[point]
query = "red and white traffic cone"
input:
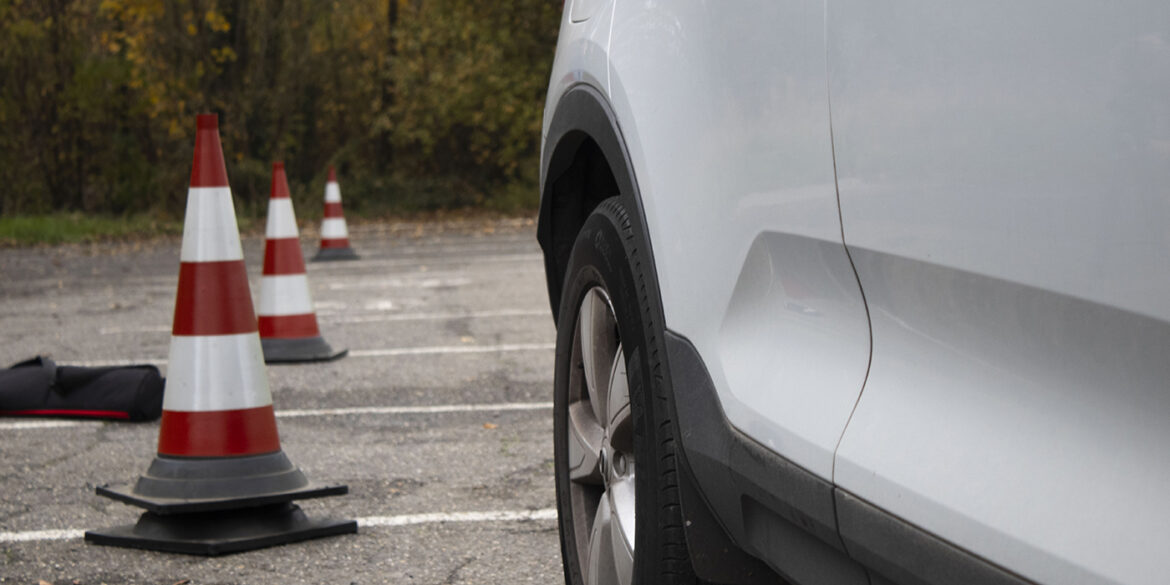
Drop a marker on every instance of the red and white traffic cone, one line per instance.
(334, 234)
(288, 323)
(220, 482)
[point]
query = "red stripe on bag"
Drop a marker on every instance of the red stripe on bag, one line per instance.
(289, 326)
(283, 256)
(213, 299)
(219, 433)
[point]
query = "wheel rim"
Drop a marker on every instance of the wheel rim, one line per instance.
(601, 446)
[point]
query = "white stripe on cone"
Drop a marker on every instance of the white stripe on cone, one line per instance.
(282, 223)
(333, 228)
(332, 192)
(210, 233)
(287, 294)
(216, 372)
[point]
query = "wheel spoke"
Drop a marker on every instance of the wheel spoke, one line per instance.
(618, 422)
(585, 439)
(598, 342)
(622, 523)
(599, 567)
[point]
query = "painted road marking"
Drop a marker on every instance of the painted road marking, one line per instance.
(441, 409)
(452, 349)
(436, 409)
(43, 424)
(544, 514)
(398, 351)
(403, 282)
(494, 516)
(368, 318)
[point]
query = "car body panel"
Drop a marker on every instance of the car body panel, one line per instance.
(1003, 172)
(736, 179)
(582, 56)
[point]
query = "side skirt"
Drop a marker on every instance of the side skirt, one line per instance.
(740, 497)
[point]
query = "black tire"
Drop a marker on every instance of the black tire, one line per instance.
(610, 260)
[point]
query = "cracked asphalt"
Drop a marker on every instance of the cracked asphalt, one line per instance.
(448, 324)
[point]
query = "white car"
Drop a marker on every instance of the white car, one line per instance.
(860, 292)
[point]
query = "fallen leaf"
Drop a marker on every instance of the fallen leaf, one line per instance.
(489, 426)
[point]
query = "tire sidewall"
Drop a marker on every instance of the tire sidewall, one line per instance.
(608, 254)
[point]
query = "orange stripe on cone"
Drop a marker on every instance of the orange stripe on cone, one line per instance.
(283, 256)
(219, 433)
(289, 326)
(208, 169)
(335, 243)
(213, 299)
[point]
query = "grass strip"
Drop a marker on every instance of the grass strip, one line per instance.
(61, 228)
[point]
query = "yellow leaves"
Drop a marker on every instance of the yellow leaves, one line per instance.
(216, 21)
(223, 55)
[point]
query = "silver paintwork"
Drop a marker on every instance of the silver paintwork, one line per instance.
(1001, 183)
(1004, 171)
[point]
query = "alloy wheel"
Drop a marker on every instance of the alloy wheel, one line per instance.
(601, 446)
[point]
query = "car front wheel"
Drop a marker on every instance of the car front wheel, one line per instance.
(616, 476)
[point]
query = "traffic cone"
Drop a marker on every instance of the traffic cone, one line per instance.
(288, 323)
(220, 482)
(334, 235)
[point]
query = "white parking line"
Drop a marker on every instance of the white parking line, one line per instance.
(398, 351)
(41, 535)
(494, 516)
(452, 349)
(408, 282)
(441, 409)
(367, 522)
(41, 424)
(438, 316)
(331, 320)
(436, 409)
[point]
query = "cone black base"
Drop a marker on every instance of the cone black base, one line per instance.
(327, 254)
(291, 351)
(218, 533)
(181, 485)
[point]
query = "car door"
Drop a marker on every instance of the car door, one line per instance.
(724, 108)
(1003, 171)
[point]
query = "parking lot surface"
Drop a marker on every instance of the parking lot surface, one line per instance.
(439, 420)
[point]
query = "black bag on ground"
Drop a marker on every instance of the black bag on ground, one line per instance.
(39, 387)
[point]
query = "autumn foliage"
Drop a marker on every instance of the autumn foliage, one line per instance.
(421, 104)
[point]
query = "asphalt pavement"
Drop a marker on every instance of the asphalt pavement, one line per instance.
(439, 420)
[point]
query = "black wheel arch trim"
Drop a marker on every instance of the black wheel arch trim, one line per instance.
(582, 115)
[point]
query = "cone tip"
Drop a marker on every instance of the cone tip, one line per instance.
(278, 166)
(207, 122)
(332, 174)
(207, 168)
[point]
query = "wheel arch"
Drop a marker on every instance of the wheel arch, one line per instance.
(584, 163)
